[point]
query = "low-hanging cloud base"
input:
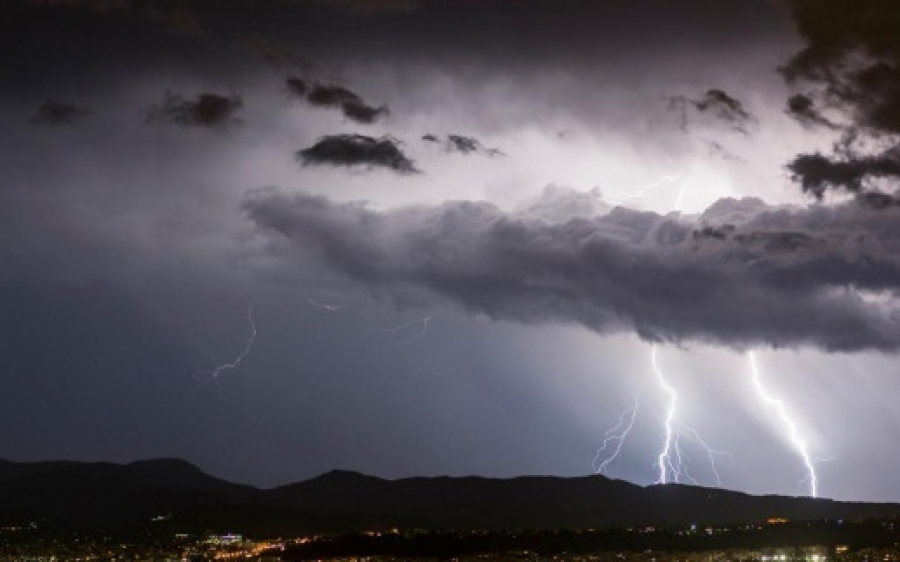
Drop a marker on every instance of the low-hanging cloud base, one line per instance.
(741, 274)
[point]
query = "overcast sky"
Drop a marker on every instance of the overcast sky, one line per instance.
(445, 237)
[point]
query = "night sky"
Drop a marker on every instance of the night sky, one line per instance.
(455, 237)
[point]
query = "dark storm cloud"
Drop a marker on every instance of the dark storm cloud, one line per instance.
(802, 108)
(297, 87)
(205, 110)
(716, 103)
(817, 173)
(784, 277)
(358, 150)
(362, 113)
(853, 51)
(58, 113)
(331, 96)
(462, 144)
(852, 58)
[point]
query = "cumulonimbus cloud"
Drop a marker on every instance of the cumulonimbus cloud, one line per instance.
(740, 274)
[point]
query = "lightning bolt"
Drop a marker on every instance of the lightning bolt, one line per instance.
(671, 462)
(212, 375)
(615, 437)
(642, 191)
(421, 324)
(790, 427)
(664, 460)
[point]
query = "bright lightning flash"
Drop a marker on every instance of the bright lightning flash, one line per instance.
(670, 462)
(790, 427)
(664, 460)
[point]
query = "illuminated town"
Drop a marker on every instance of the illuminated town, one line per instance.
(777, 540)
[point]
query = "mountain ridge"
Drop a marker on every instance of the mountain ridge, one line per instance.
(173, 495)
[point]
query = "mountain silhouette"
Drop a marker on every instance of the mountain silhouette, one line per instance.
(171, 495)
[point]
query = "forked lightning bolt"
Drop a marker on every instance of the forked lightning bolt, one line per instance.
(664, 460)
(670, 462)
(790, 427)
(212, 375)
(615, 436)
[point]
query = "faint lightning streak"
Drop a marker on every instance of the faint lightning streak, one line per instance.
(323, 306)
(213, 374)
(616, 434)
(641, 192)
(710, 452)
(421, 322)
(789, 424)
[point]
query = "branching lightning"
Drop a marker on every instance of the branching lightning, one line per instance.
(671, 461)
(664, 460)
(615, 436)
(790, 427)
(211, 376)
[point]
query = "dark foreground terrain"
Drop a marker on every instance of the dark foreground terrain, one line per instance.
(174, 496)
(170, 510)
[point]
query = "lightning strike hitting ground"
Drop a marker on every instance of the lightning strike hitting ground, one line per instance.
(790, 427)
(670, 461)
(711, 453)
(615, 437)
(664, 460)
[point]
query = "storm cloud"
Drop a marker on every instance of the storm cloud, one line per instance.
(462, 145)
(716, 103)
(358, 150)
(776, 276)
(349, 103)
(58, 113)
(853, 51)
(851, 64)
(205, 110)
(802, 108)
(817, 173)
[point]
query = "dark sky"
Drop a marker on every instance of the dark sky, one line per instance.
(224, 238)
